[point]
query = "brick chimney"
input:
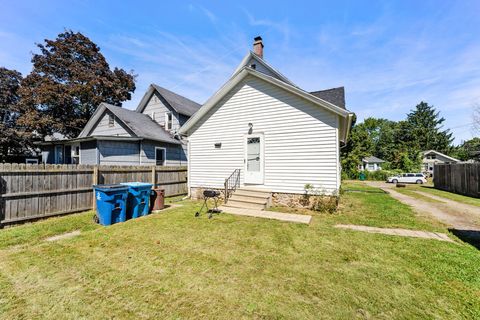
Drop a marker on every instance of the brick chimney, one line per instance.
(258, 46)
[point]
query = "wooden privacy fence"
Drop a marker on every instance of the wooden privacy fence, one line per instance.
(461, 178)
(30, 192)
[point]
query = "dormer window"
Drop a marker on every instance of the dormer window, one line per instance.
(168, 121)
(111, 120)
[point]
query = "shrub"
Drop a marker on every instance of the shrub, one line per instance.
(319, 200)
(380, 175)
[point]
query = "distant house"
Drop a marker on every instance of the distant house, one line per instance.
(118, 136)
(277, 135)
(372, 163)
(432, 157)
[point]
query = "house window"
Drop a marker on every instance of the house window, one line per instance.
(111, 120)
(59, 154)
(76, 155)
(160, 156)
(168, 120)
(371, 166)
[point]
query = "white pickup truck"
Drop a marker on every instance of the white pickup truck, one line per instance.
(417, 178)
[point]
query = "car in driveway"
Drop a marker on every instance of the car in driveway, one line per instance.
(417, 178)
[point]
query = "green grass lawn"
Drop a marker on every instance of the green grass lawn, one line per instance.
(172, 265)
(410, 191)
(446, 194)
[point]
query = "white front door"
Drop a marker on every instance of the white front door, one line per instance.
(254, 162)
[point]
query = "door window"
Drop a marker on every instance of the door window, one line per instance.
(253, 154)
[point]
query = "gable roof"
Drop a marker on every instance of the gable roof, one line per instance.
(335, 96)
(177, 102)
(141, 125)
(239, 76)
(252, 55)
(440, 154)
(373, 159)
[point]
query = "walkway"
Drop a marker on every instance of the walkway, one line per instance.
(398, 232)
(289, 217)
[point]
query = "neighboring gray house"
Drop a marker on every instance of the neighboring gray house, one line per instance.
(277, 135)
(118, 136)
(371, 163)
(432, 157)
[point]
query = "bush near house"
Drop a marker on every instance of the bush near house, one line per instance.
(381, 175)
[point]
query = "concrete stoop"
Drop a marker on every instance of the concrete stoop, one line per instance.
(250, 198)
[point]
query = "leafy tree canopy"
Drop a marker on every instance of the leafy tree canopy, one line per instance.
(399, 143)
(12, 138)
(70, 78)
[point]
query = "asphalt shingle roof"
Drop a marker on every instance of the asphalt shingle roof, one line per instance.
(141, 124)
(372, 159)
(335, 96)
(181, 104)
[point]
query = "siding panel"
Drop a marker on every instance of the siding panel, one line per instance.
(103, 129)
(156, 109)
(301, 144)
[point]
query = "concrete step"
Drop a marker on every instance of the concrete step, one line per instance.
(254, 199)
(246, 204)
(253, 193)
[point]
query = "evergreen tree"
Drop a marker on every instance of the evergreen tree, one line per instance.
(425, 125)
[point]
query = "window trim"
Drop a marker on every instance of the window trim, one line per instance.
(167, 122)
(164, 156)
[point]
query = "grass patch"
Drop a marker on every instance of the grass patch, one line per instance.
(411, 193)
(448, 195)
(171, 265)
(31, 233)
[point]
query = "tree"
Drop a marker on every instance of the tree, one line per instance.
(12, 139)
(70, 78)
(468, 150)
(425, 125)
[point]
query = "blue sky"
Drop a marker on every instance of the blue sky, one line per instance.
(389, 55)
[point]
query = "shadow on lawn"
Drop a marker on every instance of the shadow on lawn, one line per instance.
(470, 236)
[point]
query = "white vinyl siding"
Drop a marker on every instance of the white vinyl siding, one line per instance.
(301, 144)
(261, 68)
(156, 110)
(103, 127)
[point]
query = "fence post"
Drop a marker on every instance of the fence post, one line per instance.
(154, 176)
(94, 182)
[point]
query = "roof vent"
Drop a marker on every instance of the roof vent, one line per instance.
(253, 66)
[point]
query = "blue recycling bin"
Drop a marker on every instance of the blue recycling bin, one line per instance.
(111, 203)
(138, 201)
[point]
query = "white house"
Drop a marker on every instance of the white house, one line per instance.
(372, 163)
(432, 157)
(278, 136)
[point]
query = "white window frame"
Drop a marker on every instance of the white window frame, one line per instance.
(164, 156)
(168, 124)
